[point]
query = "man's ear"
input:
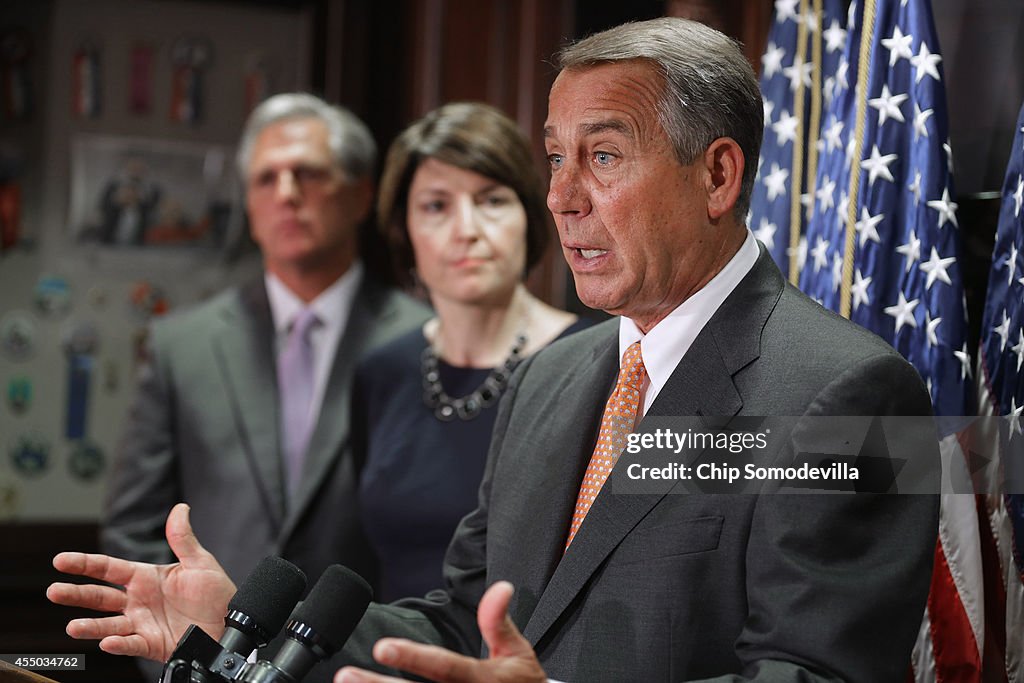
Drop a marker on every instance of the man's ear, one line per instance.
(724, 163)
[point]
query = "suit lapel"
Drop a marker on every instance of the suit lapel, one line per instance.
(245, 353)
(368, 323)
(548, 504)
(702, 384)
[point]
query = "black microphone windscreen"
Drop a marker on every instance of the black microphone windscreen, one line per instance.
(269, 593)
(335, 605)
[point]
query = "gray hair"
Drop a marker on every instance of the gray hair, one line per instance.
(710, 89)
(349, 139)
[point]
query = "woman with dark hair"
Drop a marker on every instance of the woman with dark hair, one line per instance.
(462, 207)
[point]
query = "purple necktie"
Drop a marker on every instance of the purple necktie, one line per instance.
(295, 389)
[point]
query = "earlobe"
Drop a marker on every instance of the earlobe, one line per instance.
(724, 162)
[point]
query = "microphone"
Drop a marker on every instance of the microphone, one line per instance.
(261, 605)
(256, 612)
(318, 627)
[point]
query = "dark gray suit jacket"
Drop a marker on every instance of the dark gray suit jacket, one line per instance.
(692, 587)
(204, 429)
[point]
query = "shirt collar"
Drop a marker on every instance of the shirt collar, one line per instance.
(668, 341)
(331, 305)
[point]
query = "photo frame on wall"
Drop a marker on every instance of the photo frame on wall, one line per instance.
(130, 194)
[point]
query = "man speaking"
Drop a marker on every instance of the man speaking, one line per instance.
(652, 136)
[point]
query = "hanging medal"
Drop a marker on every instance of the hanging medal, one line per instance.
(85, 96)
(81, 341)
(190, 58)
(15, 53)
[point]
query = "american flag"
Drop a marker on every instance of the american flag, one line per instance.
(1001, 392)
(798, 77)
(882, 246)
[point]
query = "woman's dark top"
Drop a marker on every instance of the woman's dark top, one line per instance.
(420, 475)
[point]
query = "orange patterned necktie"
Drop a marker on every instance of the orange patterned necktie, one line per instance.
(616, 424)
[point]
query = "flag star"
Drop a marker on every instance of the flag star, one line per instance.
(866, 226)
(898, 46)
(837, 271)
(1018, 196)
(807, 201)
(936, 267)
(925, 62)
(776, 181)
(965, 362)
(766, 233)
(828, 88)
(1014, 417)
(911, 250)
(1019, 349)
(826, 194)
(772, 59)
(820, 254)
(920, 117)
(888, 105)
(810, 18)
(859, 290)
(841, 72)
(843, 207)
(769, 108)
(785, 9)
(834, 134)
(949, 154)
(878, 165)
(903, 312)
(915, 187)
(800, 253)
(835, 37)
(945, 207)
(849, 150)
(931, 329)
(1011, 264)
(785, 127)
(799, 72)
(1003, 330)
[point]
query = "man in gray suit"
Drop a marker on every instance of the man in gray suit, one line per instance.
(652, 134)
(209, 423)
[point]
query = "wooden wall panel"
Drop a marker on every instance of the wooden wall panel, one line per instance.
(410, 56)
(393, 62)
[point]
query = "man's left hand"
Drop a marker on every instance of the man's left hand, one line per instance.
(512, 659)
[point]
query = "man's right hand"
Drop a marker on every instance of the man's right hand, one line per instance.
(158, 601)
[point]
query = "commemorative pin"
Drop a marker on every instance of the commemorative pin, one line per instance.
(86, 461)
(148, 300)
(52, 296)
(9, 499)
(19, 395)
(30, 455)
(17, 336)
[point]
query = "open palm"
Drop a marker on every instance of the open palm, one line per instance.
(158, 601)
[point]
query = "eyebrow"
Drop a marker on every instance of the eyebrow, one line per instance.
(613, 125)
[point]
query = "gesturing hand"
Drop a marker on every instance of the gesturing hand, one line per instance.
(158, 601)
(512, 660)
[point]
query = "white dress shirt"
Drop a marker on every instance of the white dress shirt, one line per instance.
(665, 345)
(333, 307)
